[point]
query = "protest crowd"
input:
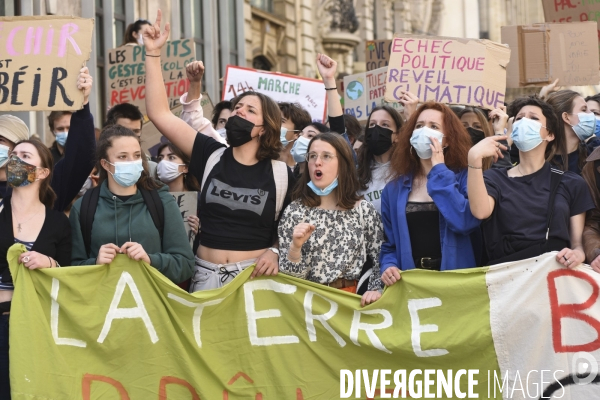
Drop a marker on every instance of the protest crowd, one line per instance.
(435, 186)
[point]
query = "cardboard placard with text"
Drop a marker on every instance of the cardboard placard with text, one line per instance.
(448, 70)
(365, 91)
(188, 205)
(559, 11)
(542, 53)
(41, 59)
(151, 136)
(377, 53)
(307, 92)
(127, 72)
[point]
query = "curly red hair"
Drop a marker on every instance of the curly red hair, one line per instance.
(405, 161)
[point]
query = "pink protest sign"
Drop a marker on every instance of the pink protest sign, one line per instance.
(448, 70)
(42, 56)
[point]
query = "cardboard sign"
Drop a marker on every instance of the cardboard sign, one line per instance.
(151, 136)
(448, 70)
(41, 60)
(188, 205)
(127, 72)
(377, 53)
(542, 53)
(559, 11)
(365, 91)
(309, 93)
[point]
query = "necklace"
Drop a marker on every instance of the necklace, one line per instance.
(519, 168)
(24, 222)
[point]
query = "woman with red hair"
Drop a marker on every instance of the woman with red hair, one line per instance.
(425, 209)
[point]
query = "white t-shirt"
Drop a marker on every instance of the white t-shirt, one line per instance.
(379, 178)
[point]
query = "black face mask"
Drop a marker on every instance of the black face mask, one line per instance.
(378, 139)
(477, 135)
(239, 131)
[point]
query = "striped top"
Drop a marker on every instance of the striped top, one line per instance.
(9, 286)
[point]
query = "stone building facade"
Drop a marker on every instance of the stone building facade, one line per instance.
(276, 35)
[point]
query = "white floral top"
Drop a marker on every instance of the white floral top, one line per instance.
(337, 248)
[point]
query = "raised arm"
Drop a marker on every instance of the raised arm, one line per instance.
(157, 106)
(192, 112)
(481, 203)
(71, 172)
(327, 68)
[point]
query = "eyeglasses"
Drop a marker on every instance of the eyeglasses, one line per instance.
(325, 157)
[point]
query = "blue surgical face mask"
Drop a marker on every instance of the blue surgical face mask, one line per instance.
(597, 129)
(3, 154)
(586, 127)
(283, 138)
(323, 192)
(526, 134)
(300, 148)
(127, 173)
(420, 141)
(61, 138)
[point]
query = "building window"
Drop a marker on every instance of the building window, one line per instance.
(120, 24)
(198, 30)
(233, 40)
(261, 62)
(265, 5)
(100, 62)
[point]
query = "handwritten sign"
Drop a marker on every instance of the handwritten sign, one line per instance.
(188, 205)
(151, 136)
(365, 91)
(41, 60)
(377, 53)
(309, 93)
(127, 72)
(448, 70)
(559, 11)
(545, 52)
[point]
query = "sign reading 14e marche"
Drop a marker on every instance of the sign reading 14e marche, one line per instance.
(40, 61)
(309, 93)
(448, 70)
(127, 72)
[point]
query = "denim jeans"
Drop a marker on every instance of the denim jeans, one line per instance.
(4, 375)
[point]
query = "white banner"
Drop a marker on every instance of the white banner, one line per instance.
(533, 356)
(309, 93)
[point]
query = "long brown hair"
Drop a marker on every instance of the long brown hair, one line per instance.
(190, 183)
(347, 179)
(563, 101)
(269, 143)
(366, 157)
(554, 125)
(406, 161)
(46, 193)
(485, 127)
(106, 141)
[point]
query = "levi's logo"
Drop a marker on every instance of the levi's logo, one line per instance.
(236, 198)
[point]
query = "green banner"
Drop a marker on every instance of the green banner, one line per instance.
(124, 331)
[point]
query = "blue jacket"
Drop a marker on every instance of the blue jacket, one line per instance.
(449, 192)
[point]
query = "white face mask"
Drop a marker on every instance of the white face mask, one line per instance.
(88, 184)
(140, 39)
(222, 132)
(168, 171)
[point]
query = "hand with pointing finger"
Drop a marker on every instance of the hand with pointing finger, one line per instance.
(154, 38)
